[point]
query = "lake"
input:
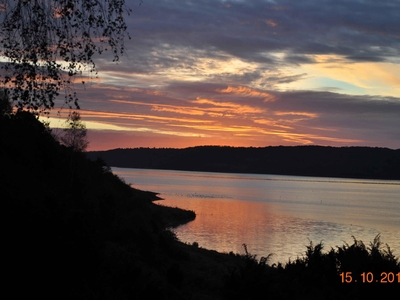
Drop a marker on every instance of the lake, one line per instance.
(274, 213)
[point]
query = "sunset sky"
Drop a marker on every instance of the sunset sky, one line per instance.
(250, 73)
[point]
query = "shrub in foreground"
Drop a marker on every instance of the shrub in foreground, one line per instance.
(353, 271)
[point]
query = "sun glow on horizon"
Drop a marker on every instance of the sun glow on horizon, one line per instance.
(356, 78)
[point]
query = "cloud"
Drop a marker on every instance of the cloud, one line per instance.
(227, 107)
(255, 43)
(246, 91)
(248, 30)
(254, 73)
(293, 117)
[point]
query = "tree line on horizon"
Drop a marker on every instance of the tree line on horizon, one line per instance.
(319, 161)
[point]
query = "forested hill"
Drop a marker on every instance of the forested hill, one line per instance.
(345, 162)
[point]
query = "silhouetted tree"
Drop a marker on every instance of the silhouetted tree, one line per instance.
(47, 43)
(75, 135)
(5, 105)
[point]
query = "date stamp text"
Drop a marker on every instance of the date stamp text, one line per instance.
(369, 277)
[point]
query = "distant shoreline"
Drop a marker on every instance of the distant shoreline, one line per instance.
(310, 161)
(334, 179)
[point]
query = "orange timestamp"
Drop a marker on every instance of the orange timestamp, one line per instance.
(368, 277)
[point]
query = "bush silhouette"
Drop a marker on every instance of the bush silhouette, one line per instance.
(317, 274)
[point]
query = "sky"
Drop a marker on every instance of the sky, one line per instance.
(249, 73)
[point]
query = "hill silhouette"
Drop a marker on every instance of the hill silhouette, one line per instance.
(74, 229)
(344, 162)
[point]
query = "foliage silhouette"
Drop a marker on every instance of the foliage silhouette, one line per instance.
(317, 274)
(48, 43)
(75, 135)
(5, 105)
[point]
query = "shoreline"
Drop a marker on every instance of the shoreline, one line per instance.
(306, 177)
(173, 217)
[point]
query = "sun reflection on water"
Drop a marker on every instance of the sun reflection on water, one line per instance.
(225, 225)
(275, 214)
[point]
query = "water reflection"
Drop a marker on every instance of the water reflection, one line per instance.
(225, 225)
(275, 214)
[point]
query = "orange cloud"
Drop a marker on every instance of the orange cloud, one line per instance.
(304, 138)
(271, 23)
(286, 123)
(178, 110)
(111, 115)
(296, 113)
(241, 90)
(228, 106)
(271, 123)
(166, 107)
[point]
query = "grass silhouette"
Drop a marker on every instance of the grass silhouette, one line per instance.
(317, 275)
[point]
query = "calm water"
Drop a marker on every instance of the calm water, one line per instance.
(275, 214)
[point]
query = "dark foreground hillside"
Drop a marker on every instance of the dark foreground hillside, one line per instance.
(73, 230)
(345, 162)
